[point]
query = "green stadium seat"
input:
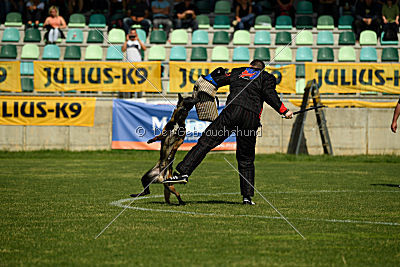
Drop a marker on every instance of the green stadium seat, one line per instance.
(26, 68)
(300, 85)
(199, 54)
(304, 38)
(51, 51)
(347, 54)
(304, 7)
(27, 85)
(30, 51)
(32, 35)
(8, 51)
(283, 54)
(200, 37)
(203, 7)
(178, 53)
(94, 52)
(72, 52)
(368, 38)
(10, 35)
(77, 21)
(179, 36)
(262, 53)
(345, 22)
(282, 38)
(390, 54)
(241, 54)
(325, 38)
(263, 22)
(13, 19)
(157, 53)
(347, 38)
(76, 36)
(97, 21)
(304, 22)
(94, 36)
(116, 36)
(142, 35)
(368, 54)
(158, 37)
(325, 54)
(222, 22)
(388, 42)
(220, 53)
(300, 71)
(325, 22)
(221, 37)
(222, 7)
(304, 54)
(283, 23)
(241, 37)
(262, 38)
(203, 21)
(114, 53)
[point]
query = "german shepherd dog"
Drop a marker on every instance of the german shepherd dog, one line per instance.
(171, 138)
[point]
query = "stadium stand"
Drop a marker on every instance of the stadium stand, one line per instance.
(32, 35)
(27, 85)
(347, 38)
(221, 22)
(283, 23)
(10, 35)
(13, 19)
(178, 53)
(304, 38)
(72, 52)
(304, 7)
(200, 37)
(222, 7)
(203, 21)
(283, 38)
(345, 22)
(157, 53)
(8, 51)
(325, 38)
(116, 36)
(51, 51)
(304, 22)
(325, 22)
(390, 54)
(158, 37)
(347, 54)
(262, 38)
(262, 53)
(368, 54)
(94, 36)
(241, 54)
(221, 37)
(114, 53)
(97, 21)
(76, 21)
(199, 54)
(203, 7)
(179, 37)
(26, 68)
(368, 38)
(94, 52)
(76, 36)
(263, 22)
(241, 37)
(30, 51)
(304, 54)
(220, 53)
(283, 54)
(325, 54)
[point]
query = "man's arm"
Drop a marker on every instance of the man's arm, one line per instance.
(395, 117)
(218, 77)
(271, 97)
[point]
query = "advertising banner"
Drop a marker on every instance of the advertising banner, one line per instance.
(348, 103)
(10, 79)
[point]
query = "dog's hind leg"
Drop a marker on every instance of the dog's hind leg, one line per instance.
(167, 194)
(172, 189)
(146, 181)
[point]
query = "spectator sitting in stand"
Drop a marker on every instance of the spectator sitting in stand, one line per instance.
(133, 47)
(244, 15)
(137, 14)
(34, 12)
(53, 24)
(390, 17)
(186, 15)
(366, 17)
(160, 9)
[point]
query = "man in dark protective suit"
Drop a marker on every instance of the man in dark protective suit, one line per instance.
(250, 87)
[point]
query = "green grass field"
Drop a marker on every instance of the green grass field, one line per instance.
(53, 204)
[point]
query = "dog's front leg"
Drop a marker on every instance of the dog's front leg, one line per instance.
(167, 194)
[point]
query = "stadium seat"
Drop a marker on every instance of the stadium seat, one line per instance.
(390, 54)
(220, 53)
(304, 7)
(158, 37)
(142, 35)
(199, 54)
(94, 52)
(304, 38)
(325, 54)
(262, 53)
(325, 38)
(345, 22)
(300, 85)
(325, 22)
(263, 22)
(157, 53)
(77, 21)
(203, 7)
(221, 37)
(179, 36)
(282, 38)
(27, 85)
(72, 52)
(304, 54)
(8, 51)
(241, 37)
(116, 36)
(283, 53)
(200, 37)
(347, 53)
(262, 38)
(97, 21)
(388, 42)
(304, 22)
(13, 19)
(94, 36)
(222, 22)
(368, 54)
(300, 71)
(222, 7)
(26, 68)
(114, 53)
(178, 53)
(203, 21)
(283, 23)
(76, 36)
(10, 35)
(30, 51)
(51, 51)
(241, 54)
(368, 38)
(32, 35)
(347, 38)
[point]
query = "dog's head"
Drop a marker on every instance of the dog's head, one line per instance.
(183, 107)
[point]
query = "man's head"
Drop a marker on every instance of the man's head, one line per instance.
(258, 64)
(132, 34)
